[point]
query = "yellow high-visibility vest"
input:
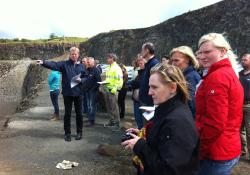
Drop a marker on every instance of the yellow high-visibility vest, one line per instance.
(114, 78)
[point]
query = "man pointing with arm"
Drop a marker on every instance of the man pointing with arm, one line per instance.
(69, 69)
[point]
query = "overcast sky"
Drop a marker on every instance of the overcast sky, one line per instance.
(35, 19)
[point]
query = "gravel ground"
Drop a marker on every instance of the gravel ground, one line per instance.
(33, 145)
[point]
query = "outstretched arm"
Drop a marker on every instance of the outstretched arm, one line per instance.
(57, 66)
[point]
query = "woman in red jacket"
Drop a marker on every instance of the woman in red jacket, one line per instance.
(219, 101)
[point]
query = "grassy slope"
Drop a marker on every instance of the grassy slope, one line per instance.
(56, 40)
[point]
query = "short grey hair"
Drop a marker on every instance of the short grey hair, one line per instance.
(150, 47)
(113, 56)
(72, 49)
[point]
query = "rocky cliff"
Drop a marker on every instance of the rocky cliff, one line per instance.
(33, 51)
(19, 80)
(231, 17)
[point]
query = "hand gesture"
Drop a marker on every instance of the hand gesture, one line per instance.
(39, 62)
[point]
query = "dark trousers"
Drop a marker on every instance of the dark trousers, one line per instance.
(121, 101)
(84, 103)
(68, 101)
(138, 114)
(91, 103)
(54, 99)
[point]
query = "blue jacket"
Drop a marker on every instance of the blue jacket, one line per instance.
(68, 70)
(193, 78)
(144, 87)
(90, 79)
(54, 80)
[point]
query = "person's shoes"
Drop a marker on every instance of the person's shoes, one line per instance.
(55, 117)
(67, 137)
(90, 124)
(110, 124)
(116, 127)
(78, 136)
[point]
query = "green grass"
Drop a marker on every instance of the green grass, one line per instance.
(56, 40)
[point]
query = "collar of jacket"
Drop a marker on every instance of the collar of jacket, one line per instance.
(163, 109)
(150, 60)
(114, 63)
(140, 71)
(243, 74)
(72, 62)
(222, 63)
(188, 70)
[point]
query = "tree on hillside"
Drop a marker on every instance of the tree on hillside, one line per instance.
(52, 36)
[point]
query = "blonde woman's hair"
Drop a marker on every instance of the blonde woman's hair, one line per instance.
(172, 74)
(72, 49)
(220, 41)
(188, 52)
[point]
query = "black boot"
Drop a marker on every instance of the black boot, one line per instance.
(78, 136)
(67, 137)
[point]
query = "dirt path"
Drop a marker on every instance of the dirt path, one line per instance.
(32, 144)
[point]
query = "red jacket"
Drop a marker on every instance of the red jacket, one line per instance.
(219, 101)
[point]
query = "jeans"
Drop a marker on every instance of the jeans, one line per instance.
(121, 101)
(54, 99)
(84, 103)
(245, 130)
(68, 101)
(91, 103)
(217, 167)
(138, 114)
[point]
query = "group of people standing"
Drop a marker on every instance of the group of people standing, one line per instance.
(80, 86)
(198, 100)
(198, 116)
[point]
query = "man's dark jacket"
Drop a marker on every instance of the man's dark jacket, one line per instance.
(144, 87)
(68, 70)
(90, 79)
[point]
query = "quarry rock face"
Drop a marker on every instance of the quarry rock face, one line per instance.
(231, 17)
(18, 80)
(33, 51)
(11, 85)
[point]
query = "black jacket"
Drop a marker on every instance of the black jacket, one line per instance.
(144, 87)
(137, 81)
(193, 78)
(171, 147)
(245, 82)
(68, 70)
(90, 79)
